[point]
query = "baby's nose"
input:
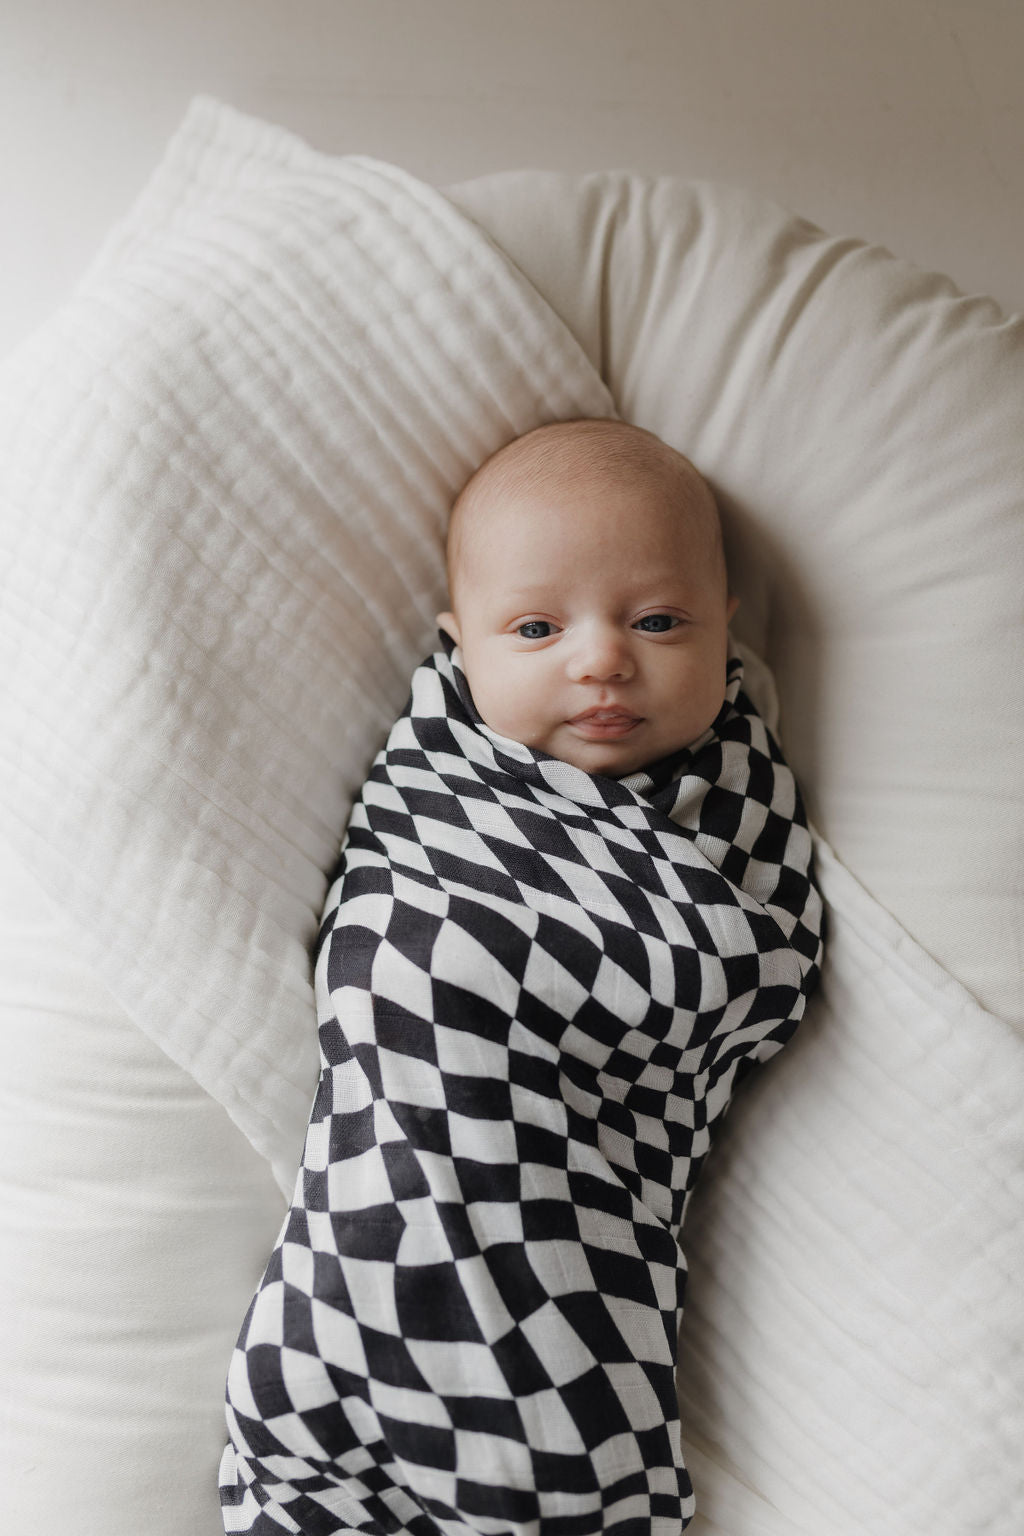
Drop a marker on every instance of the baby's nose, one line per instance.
(601, 655)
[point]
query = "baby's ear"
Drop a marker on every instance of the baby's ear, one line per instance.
(446, 621)
(731, 607)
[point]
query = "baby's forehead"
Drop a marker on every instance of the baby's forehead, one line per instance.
(561, 485)
(567, 450)
(548, 467)
(598, 447)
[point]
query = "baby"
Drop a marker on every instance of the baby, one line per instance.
(574, 905)
(589, 595)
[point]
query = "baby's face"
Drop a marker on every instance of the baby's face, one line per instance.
(592, 618)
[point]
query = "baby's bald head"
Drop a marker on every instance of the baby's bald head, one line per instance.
(554, 455)
(586, 573)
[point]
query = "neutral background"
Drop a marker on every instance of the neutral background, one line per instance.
(901, 121)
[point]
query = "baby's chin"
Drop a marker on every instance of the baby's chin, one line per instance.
(610, 760)
(618, 759)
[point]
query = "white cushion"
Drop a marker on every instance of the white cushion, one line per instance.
(136, 1221)
(226, 468)
(861, 422)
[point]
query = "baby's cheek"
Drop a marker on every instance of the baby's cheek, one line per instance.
(705, 678)
(506, 706)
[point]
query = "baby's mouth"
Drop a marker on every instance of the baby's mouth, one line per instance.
(605, 724)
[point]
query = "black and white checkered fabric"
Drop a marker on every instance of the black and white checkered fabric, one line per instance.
(537, 988)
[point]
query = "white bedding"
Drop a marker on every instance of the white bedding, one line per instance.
(853, 1343)
(227, 467)
(225, 470)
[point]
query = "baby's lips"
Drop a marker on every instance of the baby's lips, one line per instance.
(604, 715)
(608, 724)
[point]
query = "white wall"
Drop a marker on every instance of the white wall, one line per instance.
(898, 120)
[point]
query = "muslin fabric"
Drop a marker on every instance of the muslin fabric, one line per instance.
(537, 990)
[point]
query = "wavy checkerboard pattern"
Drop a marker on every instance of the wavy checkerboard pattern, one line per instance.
(537, 988)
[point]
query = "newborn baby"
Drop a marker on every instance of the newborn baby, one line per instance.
(574, 905)
(589, 596)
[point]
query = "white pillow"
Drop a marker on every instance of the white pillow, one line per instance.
(861, 421)
(225, 470)
(136, 1221)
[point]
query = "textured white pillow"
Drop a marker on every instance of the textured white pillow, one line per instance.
(861, 421)
(135, 1220)
(225, 473)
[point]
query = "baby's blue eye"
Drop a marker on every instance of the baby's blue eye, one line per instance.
(534, 629)
(655, 623)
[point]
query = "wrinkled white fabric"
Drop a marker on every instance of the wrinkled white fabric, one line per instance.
(226, 472)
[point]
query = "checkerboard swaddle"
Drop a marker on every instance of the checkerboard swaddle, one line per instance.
(537, 989)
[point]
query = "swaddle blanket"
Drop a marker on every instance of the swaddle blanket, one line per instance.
(537, 989)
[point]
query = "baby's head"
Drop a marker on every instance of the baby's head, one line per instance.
(589, 595)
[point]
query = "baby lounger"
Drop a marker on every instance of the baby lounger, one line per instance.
(226, 465)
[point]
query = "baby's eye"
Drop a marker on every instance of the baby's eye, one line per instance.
(656, 623)
(535, 629)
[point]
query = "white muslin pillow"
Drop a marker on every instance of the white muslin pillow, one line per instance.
(861, 422)
(136, 1220)
(225, 473)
